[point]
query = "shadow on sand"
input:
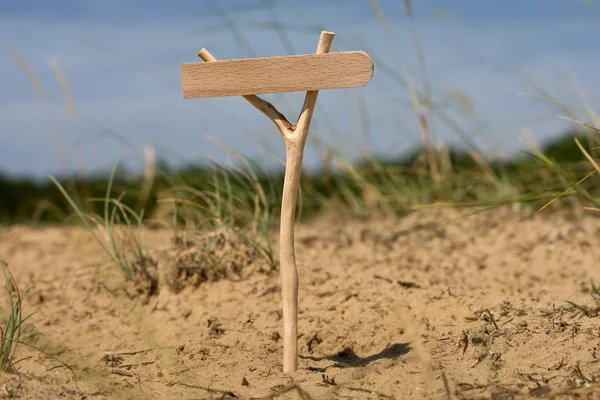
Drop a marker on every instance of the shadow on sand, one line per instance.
(347, 358)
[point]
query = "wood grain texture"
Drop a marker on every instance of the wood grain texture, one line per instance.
(276, 74)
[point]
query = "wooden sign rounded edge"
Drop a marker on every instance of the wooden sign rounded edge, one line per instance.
(370, 60)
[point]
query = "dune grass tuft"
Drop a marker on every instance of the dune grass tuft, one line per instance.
(121, 230)
(575, 185)
(9, 336)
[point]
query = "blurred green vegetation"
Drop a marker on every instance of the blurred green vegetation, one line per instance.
(393, 185)
(245, 194)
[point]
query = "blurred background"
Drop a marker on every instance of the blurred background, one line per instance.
(121, 64)
(88, 83)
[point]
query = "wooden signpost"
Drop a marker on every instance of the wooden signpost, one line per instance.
(249, 77)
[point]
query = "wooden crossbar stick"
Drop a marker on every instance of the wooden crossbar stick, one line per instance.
(262, 105)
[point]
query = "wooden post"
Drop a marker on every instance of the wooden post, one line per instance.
(275, 75)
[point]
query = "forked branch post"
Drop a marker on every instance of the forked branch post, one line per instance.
(248, 77)
(294, 137)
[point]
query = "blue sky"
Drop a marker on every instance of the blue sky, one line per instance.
(122, 63)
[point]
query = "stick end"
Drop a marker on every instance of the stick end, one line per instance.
(325, 42)
(205, 55)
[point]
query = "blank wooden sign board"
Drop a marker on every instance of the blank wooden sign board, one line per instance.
(249, 77)
(276, 74)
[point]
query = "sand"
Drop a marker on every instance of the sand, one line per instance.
(390, 308)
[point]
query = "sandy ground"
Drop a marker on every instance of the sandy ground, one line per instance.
(402, 308)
